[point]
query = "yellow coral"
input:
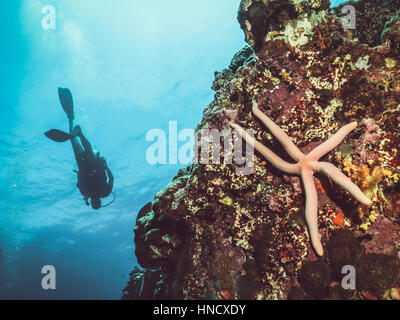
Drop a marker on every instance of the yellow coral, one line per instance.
(362, 175)
(227, 201)
(368, 179)
(364, 226)
(390, 63)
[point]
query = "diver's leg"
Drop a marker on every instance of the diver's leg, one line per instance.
(71, 125)
(68, 106)
(76, 145)
(78, 151)
(77, 148)
(87, 146)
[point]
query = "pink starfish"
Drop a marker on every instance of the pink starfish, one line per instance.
(306, 165)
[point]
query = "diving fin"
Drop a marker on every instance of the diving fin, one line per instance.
(67, 102)
(58, 135)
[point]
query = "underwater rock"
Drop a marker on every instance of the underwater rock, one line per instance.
(343, 249)
(145, 285)
(391, 33)
(158, 239)
(242, 58)
(371, 16)
(315, 277)
(215, 234)
(258, 17)
(377, 273)
(297, 293)
(161, 244)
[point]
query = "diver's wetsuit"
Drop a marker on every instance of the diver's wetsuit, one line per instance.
(93, 169)
(92, 177)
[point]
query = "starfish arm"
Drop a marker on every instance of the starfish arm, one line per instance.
(276, 161)
(279, 134)
(332, 142)
(312, 210)
(339, 178)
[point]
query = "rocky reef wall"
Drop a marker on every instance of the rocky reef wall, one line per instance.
(214, 234)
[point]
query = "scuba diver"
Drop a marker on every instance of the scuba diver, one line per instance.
(93, 169)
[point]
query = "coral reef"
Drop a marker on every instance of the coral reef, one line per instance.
(376, 273)
(215, 234)
(258, 17)
(315, 277)
(371, 16)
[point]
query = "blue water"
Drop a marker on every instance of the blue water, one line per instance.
(131, 66)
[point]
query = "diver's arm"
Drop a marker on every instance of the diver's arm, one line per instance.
(110, 176)
(86, 198)
(110, 182)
